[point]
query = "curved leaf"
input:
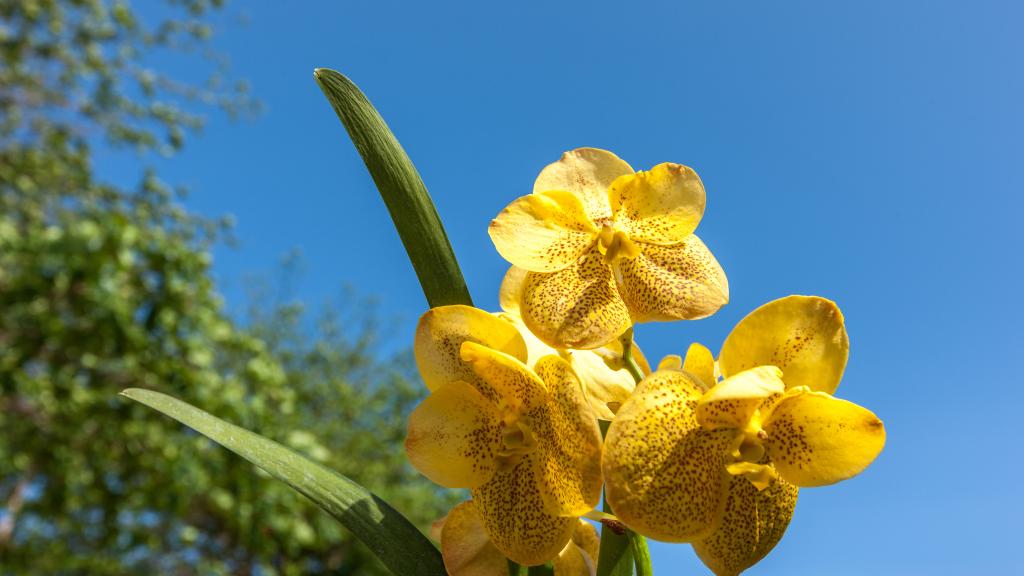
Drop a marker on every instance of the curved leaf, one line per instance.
(402, 189)
(398, 544)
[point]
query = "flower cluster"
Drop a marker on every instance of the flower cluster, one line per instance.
(706, 451)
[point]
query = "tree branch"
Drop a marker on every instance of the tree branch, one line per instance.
(13, 507)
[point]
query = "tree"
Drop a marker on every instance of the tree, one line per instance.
(103, 288)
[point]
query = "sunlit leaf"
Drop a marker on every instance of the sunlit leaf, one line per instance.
(398, 544)
(401, 188)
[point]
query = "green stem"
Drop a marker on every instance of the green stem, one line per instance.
(614, 557)
(627, 356)
(542, 570)
(622, 553)
(516, 569)
(641, 555)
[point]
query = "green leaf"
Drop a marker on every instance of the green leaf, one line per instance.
(615, 556)
(398, 544)
(402, 189)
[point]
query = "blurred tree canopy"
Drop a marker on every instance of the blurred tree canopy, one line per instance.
(102, 288)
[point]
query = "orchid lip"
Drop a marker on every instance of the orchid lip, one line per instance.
(615, 244)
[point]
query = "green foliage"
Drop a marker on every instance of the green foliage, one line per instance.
(103, 288)
(102, 299)
(80, 68)
(398, 544)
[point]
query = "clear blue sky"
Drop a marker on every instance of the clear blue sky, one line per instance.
(870, 152)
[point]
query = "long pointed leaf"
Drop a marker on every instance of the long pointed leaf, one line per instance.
(399, 545)
(402, 189)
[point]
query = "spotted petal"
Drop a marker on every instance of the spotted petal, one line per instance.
(511, 291)
(454, 436)
(579, 557)
(660, 206)
(516, 385)
(815, 439)
(509, 297)
(578, 307)
(802, 335)
(664, 474)
(606, 381)
(534, 347)
(441, 332)
(568, 454)
(733, 401)
(701, 363)
(516, 518)
(752, 524)
(671, 362)
(543, 232)
(465, 546)
(588, 172)
(680, 282)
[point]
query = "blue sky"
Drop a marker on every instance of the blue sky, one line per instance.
(867, 152)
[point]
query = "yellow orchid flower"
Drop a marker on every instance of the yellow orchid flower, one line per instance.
(580, 555)
(524, 440)
(607, 247)
(718, 464)
(607, 383)
(753, 522)
(468, 551)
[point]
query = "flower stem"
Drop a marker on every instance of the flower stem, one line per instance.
(641, 555)
(516, 569)
(614, 557)
(627, 355)
(624, 551)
